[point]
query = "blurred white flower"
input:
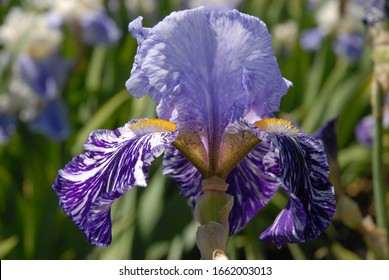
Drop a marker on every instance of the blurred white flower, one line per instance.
(29, 32)
(144, 7)
(285, 36)
(331, 16)
(73, 9)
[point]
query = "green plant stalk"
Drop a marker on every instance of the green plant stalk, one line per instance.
(378, 167)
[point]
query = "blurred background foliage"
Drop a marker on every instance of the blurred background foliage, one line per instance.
(155, 222)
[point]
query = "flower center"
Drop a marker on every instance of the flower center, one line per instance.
(218, 161)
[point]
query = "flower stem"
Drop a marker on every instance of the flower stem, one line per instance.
(378, 167)
(211, 211)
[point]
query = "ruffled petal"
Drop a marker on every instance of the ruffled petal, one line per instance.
(300, 164)
(115, 162)
(208, 68)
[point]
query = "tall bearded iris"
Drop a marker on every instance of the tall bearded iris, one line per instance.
(217, 83)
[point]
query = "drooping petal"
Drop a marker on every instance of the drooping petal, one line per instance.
(299, 162)
(115, 162)
(208, 68)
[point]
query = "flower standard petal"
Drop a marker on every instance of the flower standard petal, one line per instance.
(115, 161)
(210, 70)
(299, 162)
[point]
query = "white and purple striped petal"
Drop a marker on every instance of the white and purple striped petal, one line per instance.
(115, 162)
(207, 68)
(299, 162)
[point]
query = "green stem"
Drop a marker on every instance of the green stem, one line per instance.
(378, 167)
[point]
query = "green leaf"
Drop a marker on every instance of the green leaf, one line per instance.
(7, 245)
(101, 116)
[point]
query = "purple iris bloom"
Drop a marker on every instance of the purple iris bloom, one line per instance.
(349, 45)
(217, 84)
(375, 11)
(52, 121)
(98, 28)
(364, 131)
(45, 75)
(311, 39)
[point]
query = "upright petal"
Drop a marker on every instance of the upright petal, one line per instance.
(208, 68)
(115, 161)
(299, 162)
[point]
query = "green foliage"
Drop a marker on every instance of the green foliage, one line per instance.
(156, 222)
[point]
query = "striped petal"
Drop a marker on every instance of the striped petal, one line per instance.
(115, 162)
(252, 185)
(179, 168)
(300, 164)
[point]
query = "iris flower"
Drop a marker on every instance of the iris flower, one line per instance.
(217, 83)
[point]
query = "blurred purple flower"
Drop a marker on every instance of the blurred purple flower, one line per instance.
(349, 45)
(45, 75)
(311, 39)
(7, 127)
(98, 28)
(365, 128)
(345, 24)
(375, 11)
(52, 121)
(217, 84)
